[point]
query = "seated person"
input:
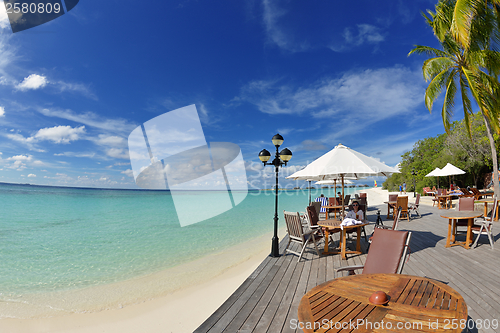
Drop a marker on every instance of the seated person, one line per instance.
(355, 213)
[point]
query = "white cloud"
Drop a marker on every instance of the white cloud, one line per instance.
(60, 134)
(118, 153)
(31, 175)
(19, 161)
(110, 140)
(91, 119)
(366, 34)
(276, 33)
(2, 111)
(34, 81)
(72, 154)
(129, 173)
(372, 93)
(75, 87)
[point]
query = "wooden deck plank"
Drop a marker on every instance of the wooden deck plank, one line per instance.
(268, 300)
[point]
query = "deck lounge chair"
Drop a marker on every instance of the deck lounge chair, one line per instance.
(387, 253)
(466, 193)
(484, 226)
(427, 191)
(414, 207)
(297, 233)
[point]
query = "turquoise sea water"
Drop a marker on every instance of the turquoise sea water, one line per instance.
(59, 239)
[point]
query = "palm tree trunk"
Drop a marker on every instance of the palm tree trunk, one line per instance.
(493, 155)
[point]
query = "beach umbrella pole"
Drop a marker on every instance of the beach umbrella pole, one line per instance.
(342, 199)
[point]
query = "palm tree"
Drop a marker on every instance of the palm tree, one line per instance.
(469, 71)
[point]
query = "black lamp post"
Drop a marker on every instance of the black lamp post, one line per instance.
(280, 159)
(413, 173)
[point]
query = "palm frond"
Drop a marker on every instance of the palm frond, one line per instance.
(431, 51)
(461, 23)
(434, 66)
(449, 102)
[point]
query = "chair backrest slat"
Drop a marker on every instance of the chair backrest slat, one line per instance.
(417, 201)
(393, 197)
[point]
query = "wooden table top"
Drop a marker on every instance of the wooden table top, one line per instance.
(335, 206)
(463, 214)
(419, 304)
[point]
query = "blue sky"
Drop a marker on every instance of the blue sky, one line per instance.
(318, 72)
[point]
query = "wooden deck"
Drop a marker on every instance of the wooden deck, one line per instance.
(268, 300)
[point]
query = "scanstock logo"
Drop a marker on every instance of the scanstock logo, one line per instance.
(170, 152)
(28, 14)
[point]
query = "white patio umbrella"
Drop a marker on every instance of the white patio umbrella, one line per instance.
(343, 162)
(334, 182)
(434, 173)
(451, 170)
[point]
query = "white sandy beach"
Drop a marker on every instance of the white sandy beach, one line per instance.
(213, 279)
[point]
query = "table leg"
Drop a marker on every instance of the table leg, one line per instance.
(358, 241)
(470, 222)
(454, 231)
(485, 209)
(327, 236)
(388, 210)
(450, 221)
(342, 247)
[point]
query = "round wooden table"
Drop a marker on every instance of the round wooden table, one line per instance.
(416, 304)
(452, 227)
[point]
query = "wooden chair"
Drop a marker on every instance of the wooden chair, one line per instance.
(317, 206)
(296, 233)
(392, 197)
(403, 203)
(323, 202)
(414, 207)
(466, 204)
(387, 253)
(484, 226)
(438, 192)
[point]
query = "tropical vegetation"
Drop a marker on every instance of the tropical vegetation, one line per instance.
(456, 147)
(466, 66)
